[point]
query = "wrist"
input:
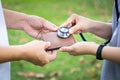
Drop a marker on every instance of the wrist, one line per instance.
(99, 52)
(19, 52)
(21, 21)
(93, 49)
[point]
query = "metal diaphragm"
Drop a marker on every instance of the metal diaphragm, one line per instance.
(63, 32)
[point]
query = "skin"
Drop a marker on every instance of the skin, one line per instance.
(34, 51)
(101, 29)
(31, 24)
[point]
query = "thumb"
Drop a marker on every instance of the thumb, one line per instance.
(74, 29)
(66, 49)
(52, 56)
(47, 44)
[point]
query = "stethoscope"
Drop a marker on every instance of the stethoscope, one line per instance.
(63, 33)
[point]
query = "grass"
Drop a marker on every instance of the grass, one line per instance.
(57, 11)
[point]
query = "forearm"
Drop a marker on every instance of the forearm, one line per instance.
(108, 53)
(11, 18)
(101, 29)
(10, 53)
(111, 53)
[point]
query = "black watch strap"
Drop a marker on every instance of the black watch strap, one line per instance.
(99, 52)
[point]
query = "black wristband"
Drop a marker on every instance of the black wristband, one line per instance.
(99, 51)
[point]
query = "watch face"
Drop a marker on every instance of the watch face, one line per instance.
(63, 32)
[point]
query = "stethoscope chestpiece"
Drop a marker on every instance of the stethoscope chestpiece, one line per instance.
(63, 32)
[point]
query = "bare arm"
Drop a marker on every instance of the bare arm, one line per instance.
(12, 18)
(101, 29)
(31, 24)
(90, 48)
(108, 53)
(33, 52)
(111, 53)
(10, 53)
(83, 24)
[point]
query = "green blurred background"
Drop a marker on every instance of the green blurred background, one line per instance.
(65, 67)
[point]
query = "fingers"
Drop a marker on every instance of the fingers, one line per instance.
(52, 55)
(50, 26)
(73, 23)
(66, 49)
(75, 29)
(70, 21)
(46, 45)
(49, 56)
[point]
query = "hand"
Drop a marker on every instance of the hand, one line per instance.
(81, 48)
(32, 25)
(35, 52)
(35, 25)
(79, 24)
